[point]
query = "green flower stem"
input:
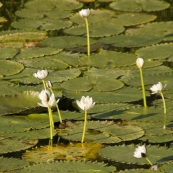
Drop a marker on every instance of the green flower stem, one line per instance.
(59, 114)
(51, 122)
(88, 39)
(143, 88)
(148, 161)
(84, 127)
(164, 106)
(44, 84)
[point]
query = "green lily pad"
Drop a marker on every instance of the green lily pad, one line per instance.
(92, 83)
(32, 134)
(8, 67)
(124, 154)
(36, 14)
(37, 52)
(109, 59)
(61, 5)
(131, 19)
(157, 52)
(73, 166)
(8, 53)
(151, 114)
(139, 5)
(66, 42)
(9, 164)
(13, 145)
(101, 132)
(46, 62)
(94, 72)
(23, 102)
(18, 39)
(72, 151)
(132, 40)
(121, 95)
(96, 30)
(157, 29)
(43, 24)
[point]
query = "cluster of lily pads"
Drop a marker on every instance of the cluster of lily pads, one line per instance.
(91, 65)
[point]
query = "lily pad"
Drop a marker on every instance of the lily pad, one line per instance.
(121, 95)
(43, 24)
(132, 40)
(124, 154)
(13, 145)
(67, 166)
(157, 52)
(61, 5)
(101, 132)
(139, 5)
(23, 102)
(72, 151)
(96, 30)
(8, 67)
(37, 52)
(9, 164)
(18, 39)
(135, 114)
(109, 59)
(66, 42)
(92, 83)
(8, 53)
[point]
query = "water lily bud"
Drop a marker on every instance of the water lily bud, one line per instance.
(84, 13)
(49, 84)
(139, 62)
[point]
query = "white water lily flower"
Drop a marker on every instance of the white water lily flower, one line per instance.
(157, 88)
(84, 13)
(140, 152)
(41, 74)
(139, 62)
(85, 103)
(47, 99)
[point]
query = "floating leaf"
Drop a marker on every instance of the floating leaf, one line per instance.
(13, 145)
(73, 166)
(23, 102)
(109, 59)
(121, 95)
(42, 24)
(101, 132)
(37, 52)
(96, 30)
(94, 83)
(135, 114)
(139, 5)
(9, 164)
(72, 151)
(124, 154)
(8, 67)
(65, 42)
(8, 53)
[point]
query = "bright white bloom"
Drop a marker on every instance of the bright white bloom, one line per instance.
(41, 74)
(84, 13)
(139, 62)
(157, 88)
(85, 103)
(47, 99)
(140, 152)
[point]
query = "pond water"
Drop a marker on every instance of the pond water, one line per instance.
(50, 34)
